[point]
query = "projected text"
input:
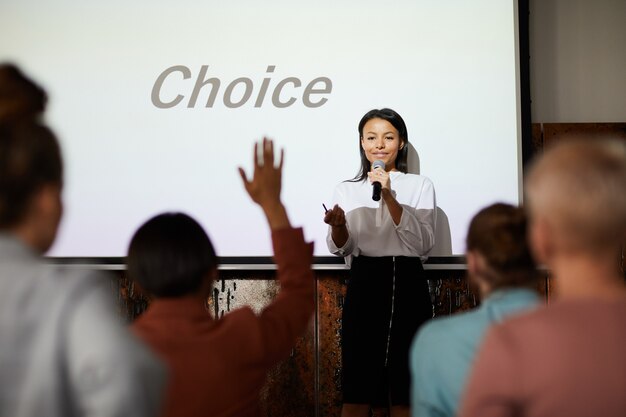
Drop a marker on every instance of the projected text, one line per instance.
(238, 92)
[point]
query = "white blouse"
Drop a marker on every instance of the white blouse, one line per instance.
(372, 231)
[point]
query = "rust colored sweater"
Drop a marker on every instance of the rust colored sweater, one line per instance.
(218, 367)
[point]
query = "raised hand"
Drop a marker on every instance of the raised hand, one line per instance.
(266, 183)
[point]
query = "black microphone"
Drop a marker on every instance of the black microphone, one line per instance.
(376, 185)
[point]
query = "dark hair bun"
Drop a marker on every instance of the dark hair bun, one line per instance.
(20, 98)
(30, 156)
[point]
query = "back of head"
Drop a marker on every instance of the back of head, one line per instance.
(170, 256)
(30, 156)
(579, 188)
(498, 234)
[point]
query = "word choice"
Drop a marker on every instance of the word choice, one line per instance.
(285, 93)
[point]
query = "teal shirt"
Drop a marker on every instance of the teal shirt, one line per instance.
(443, 351)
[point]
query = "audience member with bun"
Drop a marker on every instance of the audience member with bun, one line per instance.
(500, 266)
(63, 350)
(566, 359)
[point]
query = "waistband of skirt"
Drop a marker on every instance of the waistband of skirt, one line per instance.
(406, 260)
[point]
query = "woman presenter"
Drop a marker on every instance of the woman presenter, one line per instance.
(385, 243)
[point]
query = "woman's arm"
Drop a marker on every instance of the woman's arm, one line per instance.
(395, 209)
(415, 226)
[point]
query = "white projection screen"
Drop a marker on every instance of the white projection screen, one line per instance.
(303, 73)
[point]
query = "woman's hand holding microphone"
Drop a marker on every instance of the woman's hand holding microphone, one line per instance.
(378, 174)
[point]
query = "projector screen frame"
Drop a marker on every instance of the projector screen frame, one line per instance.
(250, 263)
(258, 263)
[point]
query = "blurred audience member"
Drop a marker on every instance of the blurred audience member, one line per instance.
(219, 365)
(63, 350)
(567, 359)
(500, 266)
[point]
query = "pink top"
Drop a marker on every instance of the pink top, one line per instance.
(567, 359)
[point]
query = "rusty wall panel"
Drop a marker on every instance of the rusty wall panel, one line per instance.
(553, 132)
(451, 292)
(331, 290)
(130, 302)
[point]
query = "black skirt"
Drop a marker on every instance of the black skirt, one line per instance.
(387, 300)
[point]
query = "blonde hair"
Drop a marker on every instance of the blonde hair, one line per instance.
(579, 187)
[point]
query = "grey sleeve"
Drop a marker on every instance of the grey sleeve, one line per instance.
(417, 224)
(111, 373)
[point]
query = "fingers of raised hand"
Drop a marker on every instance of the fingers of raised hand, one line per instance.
(268, 153)
(265, 158)
(242, 173)
(282, 158)
(255, 156)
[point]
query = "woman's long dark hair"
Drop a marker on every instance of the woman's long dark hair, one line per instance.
(396, 121)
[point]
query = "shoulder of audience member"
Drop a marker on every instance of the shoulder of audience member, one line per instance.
(525, 324)
(439, 331)
(78, 277)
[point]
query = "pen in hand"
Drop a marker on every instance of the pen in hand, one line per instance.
(325, 209)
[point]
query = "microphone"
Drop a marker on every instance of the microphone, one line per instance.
(376, 185)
